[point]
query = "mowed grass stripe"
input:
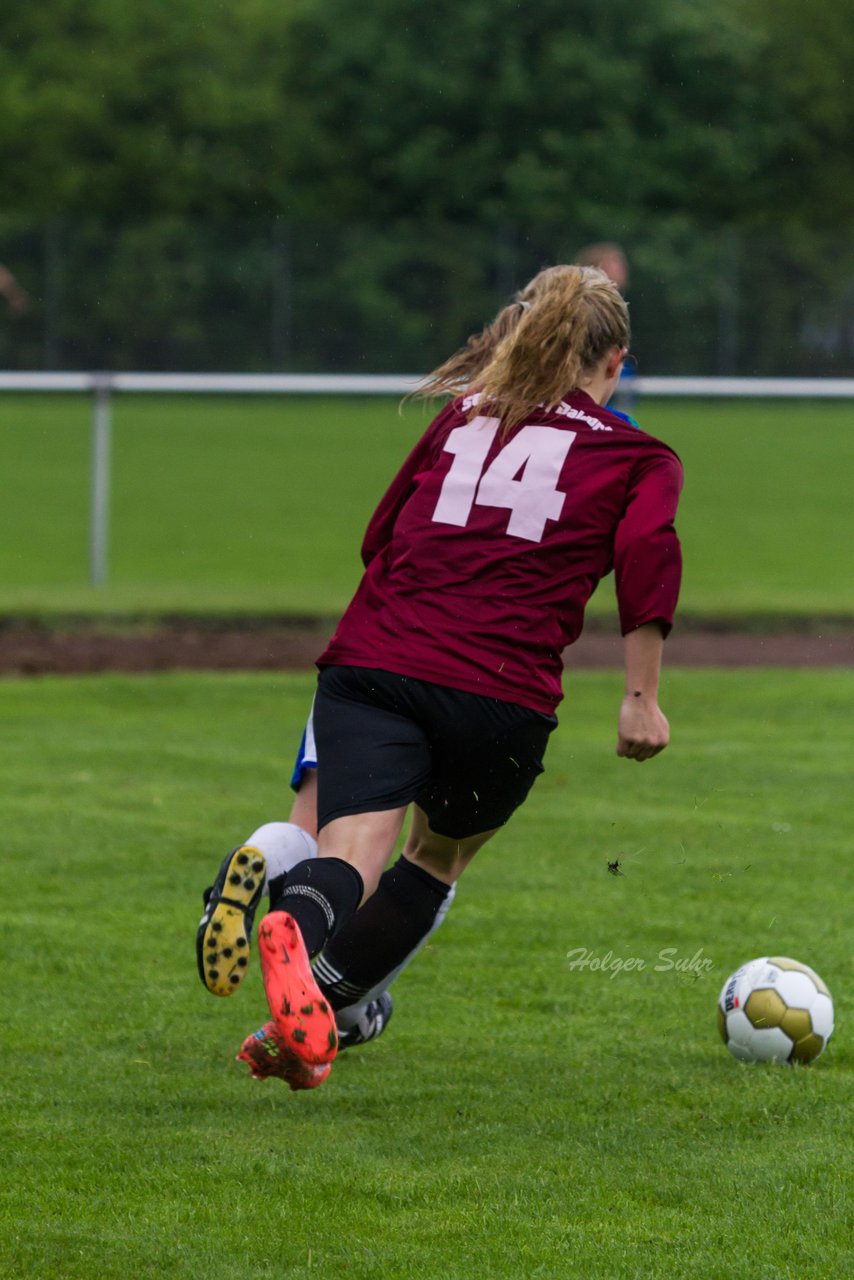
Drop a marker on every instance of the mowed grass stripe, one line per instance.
(521, 1116)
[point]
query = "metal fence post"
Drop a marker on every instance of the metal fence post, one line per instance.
(100, 484)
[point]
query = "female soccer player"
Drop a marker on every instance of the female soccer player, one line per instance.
(360, 997)
(440, 684)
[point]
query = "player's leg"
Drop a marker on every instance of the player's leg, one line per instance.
(368, 1018)
(443, 857)
(226, 925)
(377, 939)
(362, 1013)
(304, 807)
(317, 895)
(375, 760)
(306, 1009)
(411, 901)
(470, 762)
(224, 932)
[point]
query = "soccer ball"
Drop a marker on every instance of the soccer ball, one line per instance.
(775, 1010)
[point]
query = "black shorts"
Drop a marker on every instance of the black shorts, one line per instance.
(385, 740)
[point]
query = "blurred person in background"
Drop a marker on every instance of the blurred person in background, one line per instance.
(16, 299)
(609, 257)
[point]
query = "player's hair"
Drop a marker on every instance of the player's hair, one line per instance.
(538, 350)
(463, 369)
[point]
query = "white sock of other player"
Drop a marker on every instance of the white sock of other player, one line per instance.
(283, 845)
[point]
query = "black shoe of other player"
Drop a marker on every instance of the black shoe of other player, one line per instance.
(372, 1022)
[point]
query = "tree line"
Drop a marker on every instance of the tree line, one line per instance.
(139, 143)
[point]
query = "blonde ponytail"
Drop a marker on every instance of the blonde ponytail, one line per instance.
(541, 347)
(463, 369)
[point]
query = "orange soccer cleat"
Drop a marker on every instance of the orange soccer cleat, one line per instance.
(303, 1016)
(268, 1056)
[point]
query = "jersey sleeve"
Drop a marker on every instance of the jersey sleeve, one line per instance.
(647, 554)
(379, 531)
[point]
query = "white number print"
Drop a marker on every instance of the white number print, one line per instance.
(522, 477)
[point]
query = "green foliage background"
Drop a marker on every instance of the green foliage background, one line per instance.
(483, 111)
(332, 186)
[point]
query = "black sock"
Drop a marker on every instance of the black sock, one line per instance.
(321, 894)
(382, 933)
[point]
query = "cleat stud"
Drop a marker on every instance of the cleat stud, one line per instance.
(249, 884)
(213, 974)
(233, 979)
(332, 1039)
(234, 878)
(298, 1035)
(242, 859)
(242, 961)
(307, 1009)
(323, 1007)
(258, 867)
(241, 942)
(211, 959)
(228, 952)
(217, 926)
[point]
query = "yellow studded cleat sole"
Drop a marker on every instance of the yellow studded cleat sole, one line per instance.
(224, 945)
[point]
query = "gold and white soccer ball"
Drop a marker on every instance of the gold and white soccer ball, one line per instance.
(775, 1010)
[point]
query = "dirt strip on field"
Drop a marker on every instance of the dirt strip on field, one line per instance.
(29, 651)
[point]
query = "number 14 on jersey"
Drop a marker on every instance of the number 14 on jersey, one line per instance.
(522, 477)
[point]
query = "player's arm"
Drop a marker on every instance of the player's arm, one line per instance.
(647, 571)
(643, 730)
(647, 554)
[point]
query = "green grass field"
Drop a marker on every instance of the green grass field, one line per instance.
(257, 505)
(520, 1118)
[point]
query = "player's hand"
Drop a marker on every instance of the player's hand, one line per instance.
(643, 730)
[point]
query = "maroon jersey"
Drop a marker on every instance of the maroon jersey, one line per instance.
(483, 553)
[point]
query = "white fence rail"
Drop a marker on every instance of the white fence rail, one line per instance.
(395, 384)
(102, 386)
